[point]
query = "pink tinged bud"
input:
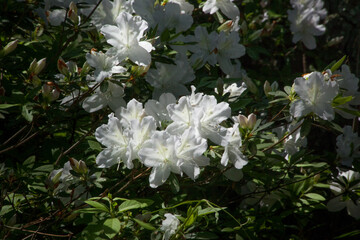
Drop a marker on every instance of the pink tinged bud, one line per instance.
(11, 46)
(46, 90)
(251, 121)
(72, 13)
(40, 66)
(55, 94)
(62, 67)
(226, 26)
(243, 121)
(74, 164)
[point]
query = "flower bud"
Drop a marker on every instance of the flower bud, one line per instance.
(11, 46)
(220, 86)
(242, 121)
(72, 13)
(139, 70)
(85, 68)
(57, 176)
(250, 84)
(267, 88)
(251, 121)
(40, 66)
(74, 164)
(247, 122)
(82, 167)
(32, 66)
(62, 67)
(226, 26)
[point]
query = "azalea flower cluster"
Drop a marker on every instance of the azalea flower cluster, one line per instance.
(317, 92)
(304, 19)
(169, 136)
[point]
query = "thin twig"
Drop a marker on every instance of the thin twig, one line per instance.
(13, 136)
(40, 233)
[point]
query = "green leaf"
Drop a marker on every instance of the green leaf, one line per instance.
(98, 205)
(174, 183)
(29, 162)
(315, 196)
(104, 86)
(338, 64)
(315, 165)
(112, 227)
(355, 113)
(341, 100)
(208, 210)
(201, 236)
(4, 106)
(145, 225)
(26, 112)
(94, 145)
(305, 128)
(134, 204)
(255, 35)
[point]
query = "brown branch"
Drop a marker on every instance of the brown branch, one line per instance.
(40, 233)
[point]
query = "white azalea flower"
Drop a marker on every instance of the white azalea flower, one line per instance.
(204, 50)
(140, 132)
(189, 148)
(345, 188)
(158, 110)
(159, 153)
(104, 65)
(169, 225)
(170, 78)
(348, 146)
(304, 19)
(208, 116)
(227, 7)
(134, 111)
(116, 140)
(113, 97)
(316, 96)
(171, 17)
(234, 89)
(232, 152)
(108, 11)
(186, 8)
(228, 47)
(125, 39)
(201, 112)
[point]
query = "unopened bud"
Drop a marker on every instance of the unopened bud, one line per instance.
(57, 176)
(32, 66)
(139, 70)
(62, 67)
(74, 164)
(242, 121)
(247, 122)
(11, 46)
(250, 84)
(267, 88)
(85, 68)
(82, 167)
(40, 66)
(251, 121)
(72, 13)
(220, 86)
(226, 26)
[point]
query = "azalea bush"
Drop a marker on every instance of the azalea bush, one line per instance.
(174, 119)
